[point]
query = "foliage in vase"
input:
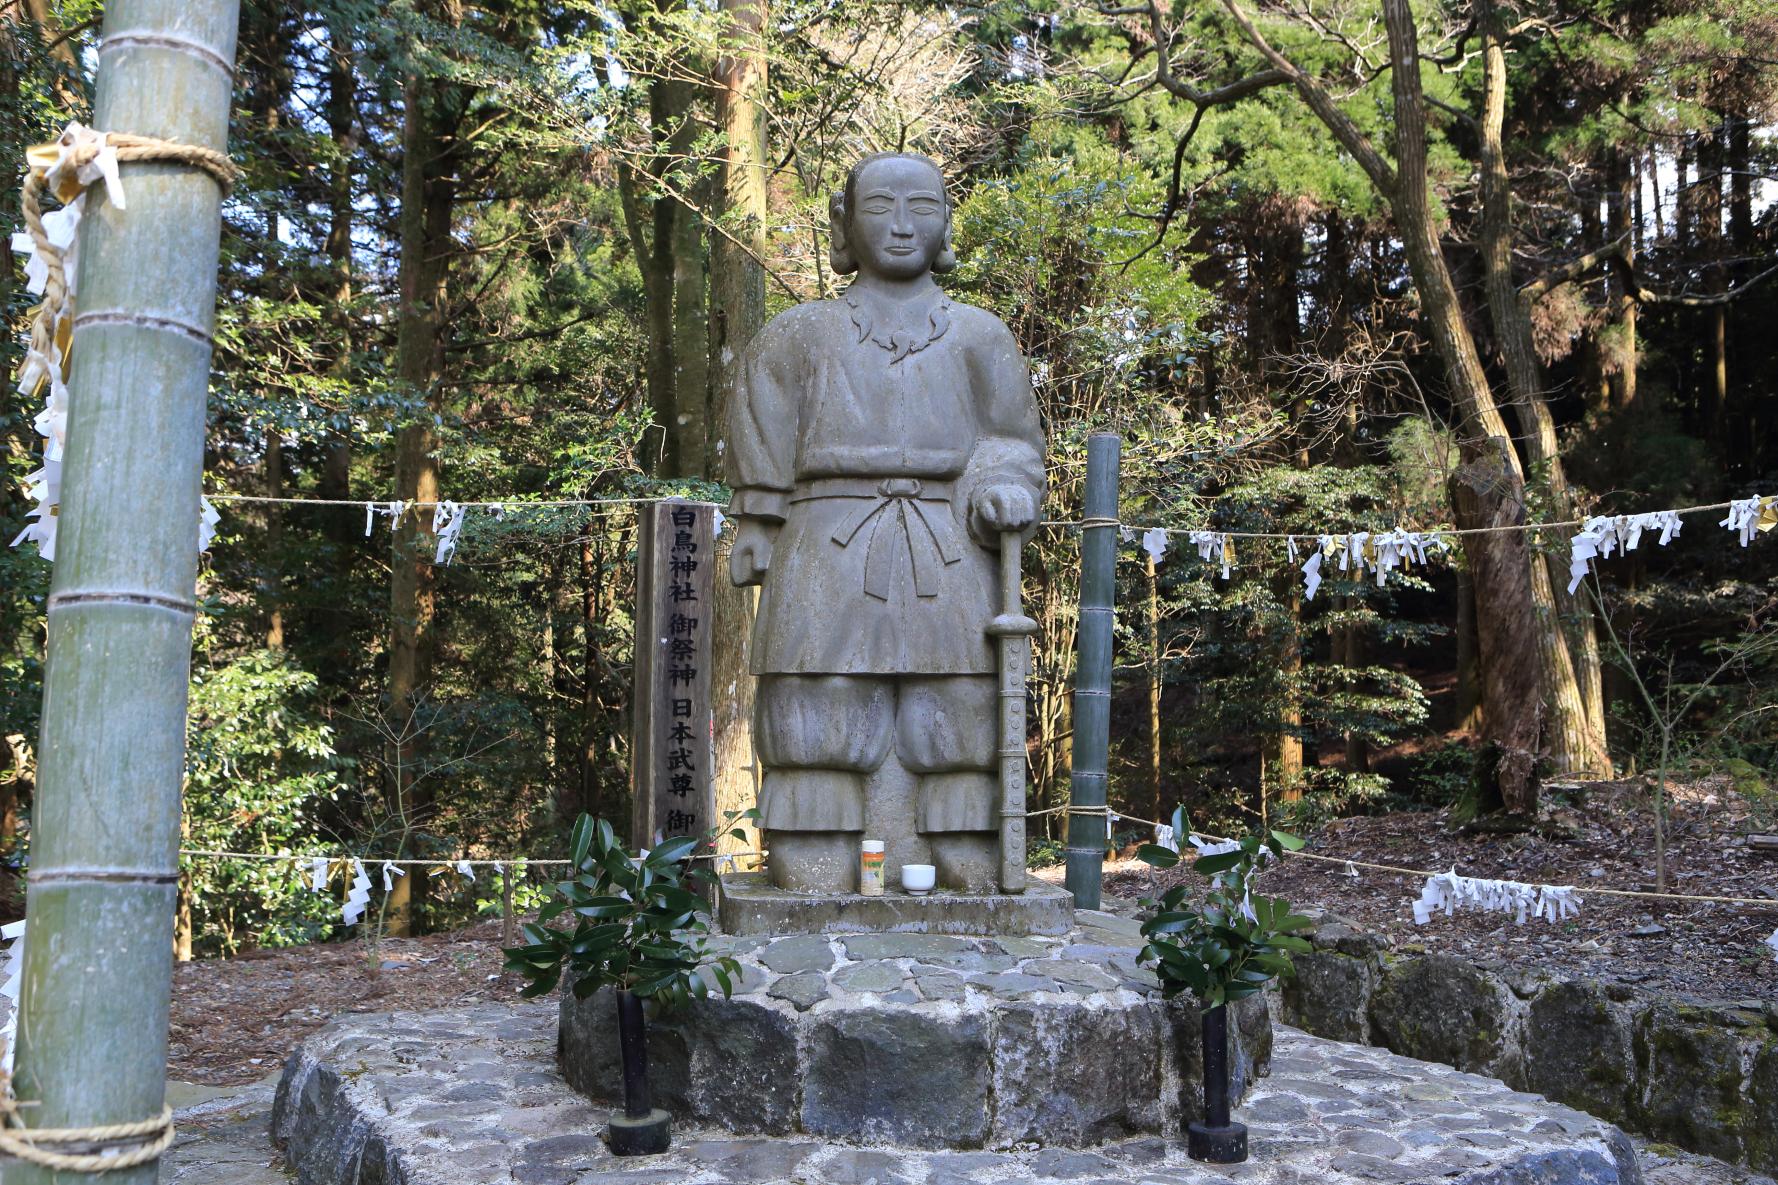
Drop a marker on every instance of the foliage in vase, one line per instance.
(638, 927)
(1232, 943)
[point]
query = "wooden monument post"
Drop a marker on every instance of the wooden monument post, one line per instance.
(671, 752)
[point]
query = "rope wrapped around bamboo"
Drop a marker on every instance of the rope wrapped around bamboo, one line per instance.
(83, 150)
(151, 1137)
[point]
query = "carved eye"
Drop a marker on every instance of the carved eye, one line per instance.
(924, 209)
(877, 207)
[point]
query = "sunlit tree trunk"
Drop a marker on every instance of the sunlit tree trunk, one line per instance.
(1576, 721)
(428, 200)
(737, 311)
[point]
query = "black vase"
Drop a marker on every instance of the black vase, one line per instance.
(1217, 1139)
(642, 1129)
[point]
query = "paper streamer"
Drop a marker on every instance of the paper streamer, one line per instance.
(390, 510)
(1600, 536)
(11, 980)
(357, 897)
(40, 368)
(1215, 546)
(447, 520)
(1164, 837)
(1771, 942)
(1312, 574)
(1748, 516)
(1450, 892)
(390, 872)
(1154, 542)
(466, 870)
(318, 874)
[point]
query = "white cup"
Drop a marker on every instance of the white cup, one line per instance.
(918, 879)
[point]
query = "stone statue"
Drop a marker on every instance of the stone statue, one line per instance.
(878, 445)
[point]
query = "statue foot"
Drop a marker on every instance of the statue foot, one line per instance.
(813, 861)
(967, 861)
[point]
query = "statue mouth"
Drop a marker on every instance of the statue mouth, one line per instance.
(899, 250)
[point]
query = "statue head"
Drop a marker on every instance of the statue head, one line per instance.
(892, 219)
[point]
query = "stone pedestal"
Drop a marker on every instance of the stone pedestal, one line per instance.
(928, 1041)
(751, 906)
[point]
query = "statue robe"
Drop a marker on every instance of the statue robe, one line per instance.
(871, 458)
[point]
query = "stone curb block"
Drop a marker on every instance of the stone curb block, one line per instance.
(1702, 1075)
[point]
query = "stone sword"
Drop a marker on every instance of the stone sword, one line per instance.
(1014, 631)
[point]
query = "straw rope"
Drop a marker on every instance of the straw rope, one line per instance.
(130, 147)
(151, 1137)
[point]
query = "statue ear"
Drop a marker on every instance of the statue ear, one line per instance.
(839, 255)
(947, 255)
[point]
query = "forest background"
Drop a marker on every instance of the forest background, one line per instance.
(1325, 266)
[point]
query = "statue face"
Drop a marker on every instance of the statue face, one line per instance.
(896, 224)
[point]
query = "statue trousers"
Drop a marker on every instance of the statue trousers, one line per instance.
(820, 736)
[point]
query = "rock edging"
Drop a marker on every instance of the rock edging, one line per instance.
(1701, 1075)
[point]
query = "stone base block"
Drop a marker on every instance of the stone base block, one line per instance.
(927, 1041)
(751, 905)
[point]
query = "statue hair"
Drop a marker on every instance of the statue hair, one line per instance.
(839, 214)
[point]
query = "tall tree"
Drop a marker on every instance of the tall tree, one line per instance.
(737, 311)
(1571, 675)
(431, 111)
(1492, 482)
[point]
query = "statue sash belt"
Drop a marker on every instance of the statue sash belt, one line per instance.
(895, 516)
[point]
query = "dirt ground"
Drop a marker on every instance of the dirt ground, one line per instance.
(236, 1020)
(1600, 837)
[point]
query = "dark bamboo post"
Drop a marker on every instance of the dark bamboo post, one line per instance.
(1092, 674)
(1216, 1140)
(105, 844)
(643, 1129)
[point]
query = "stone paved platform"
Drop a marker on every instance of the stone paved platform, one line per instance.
(1062, 1040)
(472, 1096)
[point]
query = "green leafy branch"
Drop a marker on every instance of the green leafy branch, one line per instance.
(1236, 941)
(638, 926)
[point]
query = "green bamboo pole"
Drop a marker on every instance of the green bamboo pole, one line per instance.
(1092, 675)
(111, 756)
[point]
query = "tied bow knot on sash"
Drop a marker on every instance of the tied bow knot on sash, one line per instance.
(901, 511)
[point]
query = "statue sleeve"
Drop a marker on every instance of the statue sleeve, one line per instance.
(760, 461)
(1010, 447)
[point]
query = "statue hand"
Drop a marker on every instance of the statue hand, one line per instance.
(1006, 507)
(751, 556)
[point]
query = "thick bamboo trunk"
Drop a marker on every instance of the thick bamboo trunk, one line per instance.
(1087, 783)
(1154, 691)
(104, 856)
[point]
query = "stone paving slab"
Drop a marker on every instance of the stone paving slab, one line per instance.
(472, 1095)
(749, 904)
